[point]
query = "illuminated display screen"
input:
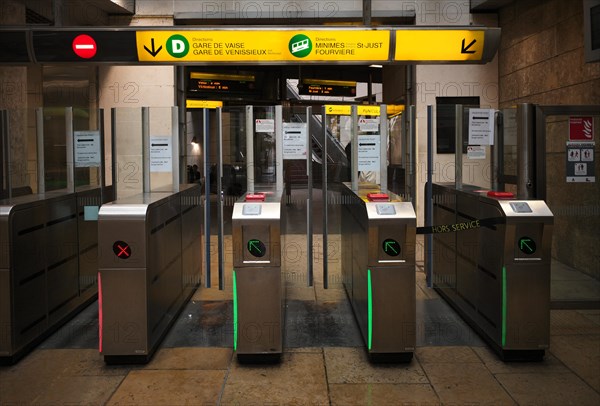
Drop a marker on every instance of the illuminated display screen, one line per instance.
(214, 85)
(327, 88)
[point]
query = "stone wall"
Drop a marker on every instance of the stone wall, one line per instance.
(541, 55)
(541, 60)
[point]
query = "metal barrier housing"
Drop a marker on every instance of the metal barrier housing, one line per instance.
(144, 289)
(381, 287)
(503, 292)
(259, 288)
(48, 265)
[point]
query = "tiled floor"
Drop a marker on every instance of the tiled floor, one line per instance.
(324, 362)
(67, 370)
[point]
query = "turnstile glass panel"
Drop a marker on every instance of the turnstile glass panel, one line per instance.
(264, 152)
(508, 159)
(303, 157)
(145, 150)
(162, 146)
(127, 151)
(18, 148)
(88, 149)
(338, 171)
(572, 188)
(56, 159)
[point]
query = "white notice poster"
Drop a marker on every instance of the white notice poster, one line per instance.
(368, 124)
(368, 153)
(87, 149)
(476, 152)
(481, 127)
(264, 125)
(294, 141)
(161, 153)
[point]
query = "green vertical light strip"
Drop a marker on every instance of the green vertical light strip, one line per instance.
(235, 313)
(370, 308)
(503, 306)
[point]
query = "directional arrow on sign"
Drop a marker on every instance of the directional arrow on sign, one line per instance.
(154, 51)
(256, 248)
(466, 50)
(527, 245)
(391, 247)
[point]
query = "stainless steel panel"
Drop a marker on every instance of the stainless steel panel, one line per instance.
(260, 316)
(258, 279)
(111, 230)
(41, 250)
(191, 239)
(503, 284)
(6, 320)
(88, 241)
(63, 289)
(124, 325)
(366, 226)
(29, 309)
(158, 276)
(394, 324)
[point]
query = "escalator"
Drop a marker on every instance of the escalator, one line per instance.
(337, 162)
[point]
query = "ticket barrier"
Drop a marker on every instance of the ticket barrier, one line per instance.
(378, 269)
(149, 268)
(48, 265)
(258, 286)
(491, 262)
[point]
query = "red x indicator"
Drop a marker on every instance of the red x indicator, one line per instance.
(122, 249)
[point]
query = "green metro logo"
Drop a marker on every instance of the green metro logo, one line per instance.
(178, 46)
(300, 46)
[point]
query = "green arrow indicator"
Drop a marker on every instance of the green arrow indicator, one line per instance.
(527, 245)
(256, 248)
(391, 247)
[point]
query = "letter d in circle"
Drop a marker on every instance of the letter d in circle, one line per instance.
(178, 46)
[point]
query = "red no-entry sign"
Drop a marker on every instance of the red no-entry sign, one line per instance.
(84, 46)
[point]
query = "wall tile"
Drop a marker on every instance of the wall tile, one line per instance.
(569, 34)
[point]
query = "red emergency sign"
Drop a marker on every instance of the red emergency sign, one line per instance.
(581, 128)
(84, 46)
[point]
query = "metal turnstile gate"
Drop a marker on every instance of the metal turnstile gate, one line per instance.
(491, 262)
(378, 254)
(149, 269)
(258, 286)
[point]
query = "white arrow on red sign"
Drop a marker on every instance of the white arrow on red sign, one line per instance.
(84, 46)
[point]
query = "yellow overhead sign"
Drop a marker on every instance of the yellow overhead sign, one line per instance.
(263, 45)
(203, 104)
(337, 110)
(394, 109)
(439, 45)
(362, 110)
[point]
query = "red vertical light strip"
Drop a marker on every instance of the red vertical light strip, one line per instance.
(99, 313)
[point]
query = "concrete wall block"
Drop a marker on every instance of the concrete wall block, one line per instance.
(569, 67)
(506, 61)
(539, 47)
(556, 136)
(521, 55)
(569, 8)
(569, 34)
(12, 13)
(509, 35)
(509, 87)
(529, 18)
(155, 8)
(591, 70)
